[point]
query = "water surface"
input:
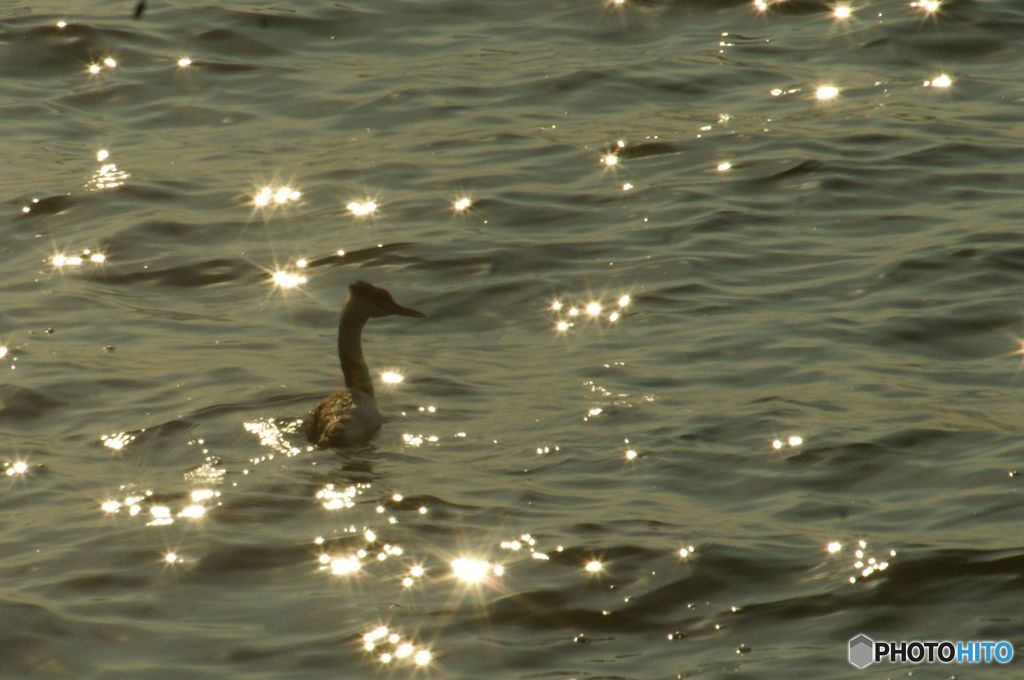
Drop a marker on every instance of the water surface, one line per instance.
(783, 413)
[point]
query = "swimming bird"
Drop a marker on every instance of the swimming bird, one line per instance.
(350, 415)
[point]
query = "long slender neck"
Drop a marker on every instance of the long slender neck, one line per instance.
(350, 350)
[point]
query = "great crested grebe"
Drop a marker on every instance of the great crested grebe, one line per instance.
(350, 415)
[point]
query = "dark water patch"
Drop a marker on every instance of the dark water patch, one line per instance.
(801, 7)
(130, 96)
(261, 401)
(48, 205)
(1011, 259)
(948, 153)
(863, 455)
(645, 149)
(701, 6)
(234, 44)
(164, 231)
(97, 582)
(21, 404)
(952, 334)
(153, 192)
(28, 631)
(240, 560)
(159, 446)
(806, 167)
(918, 578)
(961, 45)
(214, 66)
(361, 255)
(539, 217)
(447, 386)
(43, 51)
(198, 275)
(725, 221)
(545, 610)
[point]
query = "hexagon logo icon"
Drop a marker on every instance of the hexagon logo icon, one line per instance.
(862, 651)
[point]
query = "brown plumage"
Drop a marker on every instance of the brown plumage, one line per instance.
(350, 415)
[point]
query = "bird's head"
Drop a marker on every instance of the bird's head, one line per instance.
(370, 301)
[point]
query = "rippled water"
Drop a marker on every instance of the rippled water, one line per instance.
(783, 413)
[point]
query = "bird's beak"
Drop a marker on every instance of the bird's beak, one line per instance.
(406, 311)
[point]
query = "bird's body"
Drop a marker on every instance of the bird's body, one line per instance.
(350, 415)
(343, 418)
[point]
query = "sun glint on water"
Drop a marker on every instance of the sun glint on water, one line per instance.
(364, 208)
